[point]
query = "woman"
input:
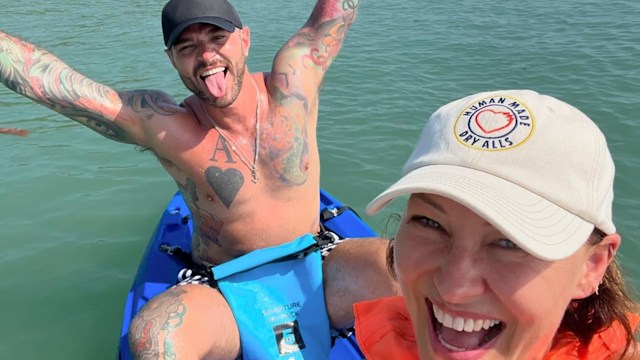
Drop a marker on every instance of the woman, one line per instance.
(506, 248)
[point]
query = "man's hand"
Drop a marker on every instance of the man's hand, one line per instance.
(16, 132)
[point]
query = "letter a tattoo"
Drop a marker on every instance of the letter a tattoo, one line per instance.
(222, 145)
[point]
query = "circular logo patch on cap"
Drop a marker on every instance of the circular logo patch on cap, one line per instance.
(494, 123)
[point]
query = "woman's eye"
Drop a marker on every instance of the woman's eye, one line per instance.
(427, 222)
(507, 244)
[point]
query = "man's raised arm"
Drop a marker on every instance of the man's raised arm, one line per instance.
(45, 79)
(301, 63)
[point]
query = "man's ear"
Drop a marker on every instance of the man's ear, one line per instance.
(170, 55)
(246, 39)
(598, 258)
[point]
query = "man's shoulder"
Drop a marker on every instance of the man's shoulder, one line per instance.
(189, 101)
(191, 107)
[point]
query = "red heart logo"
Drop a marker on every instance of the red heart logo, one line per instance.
(490, 121)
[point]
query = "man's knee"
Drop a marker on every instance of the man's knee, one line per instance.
(190, 321)
(360, 261)
(356, 270)
(151, 329)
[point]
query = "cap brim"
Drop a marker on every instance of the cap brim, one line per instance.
(217, 21)
(538, 226)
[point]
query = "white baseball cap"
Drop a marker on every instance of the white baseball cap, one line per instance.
(536, 168)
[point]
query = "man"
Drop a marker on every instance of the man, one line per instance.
(242, 150)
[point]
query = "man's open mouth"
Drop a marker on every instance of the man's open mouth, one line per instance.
(214, 71)
(215, 80)
(464, 334)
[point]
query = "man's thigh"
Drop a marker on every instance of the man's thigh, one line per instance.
(189, 321)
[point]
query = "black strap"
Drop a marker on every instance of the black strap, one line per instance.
(177, 251)
(328, 214)
(185, 258)
(325, 236)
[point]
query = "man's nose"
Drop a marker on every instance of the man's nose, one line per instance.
(208, 52)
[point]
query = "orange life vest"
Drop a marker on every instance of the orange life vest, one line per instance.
(384, 331)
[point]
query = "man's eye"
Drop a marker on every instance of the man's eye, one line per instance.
(219, 38)
(185, 47)
(427, 222)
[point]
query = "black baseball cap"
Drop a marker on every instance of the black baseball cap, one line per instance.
(178, 14)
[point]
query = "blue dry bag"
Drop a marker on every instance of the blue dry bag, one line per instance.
(277, 298)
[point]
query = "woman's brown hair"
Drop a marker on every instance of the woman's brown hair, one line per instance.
(611, 303)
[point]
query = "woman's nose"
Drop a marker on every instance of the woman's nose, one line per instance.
(459, 277)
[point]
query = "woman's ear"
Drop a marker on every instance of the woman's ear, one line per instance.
(597, 260)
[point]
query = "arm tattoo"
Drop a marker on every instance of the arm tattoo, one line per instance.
(148, 103)
(323, 45)
(297, 76)
(97, 123)
(325, 31)
(42, 77)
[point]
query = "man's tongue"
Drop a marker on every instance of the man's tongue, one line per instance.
(462, 339)
(216, 84)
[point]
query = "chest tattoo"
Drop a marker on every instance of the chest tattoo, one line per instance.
(225, 183)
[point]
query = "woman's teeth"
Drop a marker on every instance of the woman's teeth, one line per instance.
(461, 324)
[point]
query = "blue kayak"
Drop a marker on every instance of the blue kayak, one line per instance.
(158, 269)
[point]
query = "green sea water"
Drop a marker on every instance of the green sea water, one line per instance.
(77, 209)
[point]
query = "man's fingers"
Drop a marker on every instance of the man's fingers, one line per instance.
(16, 132)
